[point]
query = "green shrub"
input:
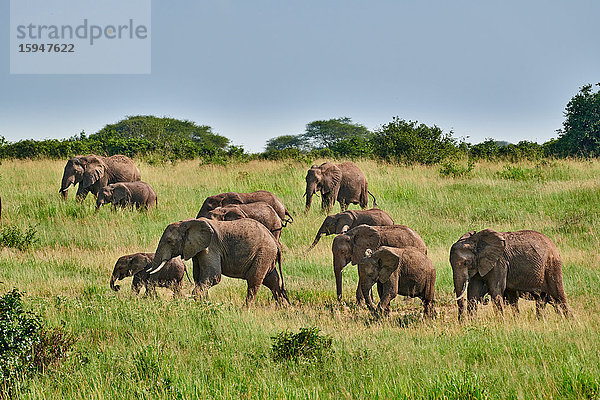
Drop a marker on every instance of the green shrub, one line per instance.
(12, 236)
(26, 346)
(451, 169)
(516, 173)
(307, 344)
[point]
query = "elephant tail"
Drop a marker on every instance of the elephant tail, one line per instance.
(374, 199)
(279, 261)
(288, 220)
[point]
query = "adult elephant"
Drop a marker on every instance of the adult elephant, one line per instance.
(93, 172)
(507, 264)
(344, 221)
(350, 247)
(343, 182)
(242, 249)
(229, 198)
(259, 211)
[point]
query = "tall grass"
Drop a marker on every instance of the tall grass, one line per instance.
(163, 348)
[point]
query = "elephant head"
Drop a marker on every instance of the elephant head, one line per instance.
(227, 214)
(114, 193)
(475, 253)
(363, 237)
(126, 266)
(184, 238)
(334, 224)
(73, 174)
(82, 170)
(210, 203)
(376, 266)
(325, 178)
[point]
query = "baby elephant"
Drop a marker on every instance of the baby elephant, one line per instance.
(258, 211)
(171, 276)
(405, 271)
(124, 194)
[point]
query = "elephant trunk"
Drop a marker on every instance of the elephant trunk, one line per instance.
(317, 238)
(113, 279)
(310, 190)
(67, 181)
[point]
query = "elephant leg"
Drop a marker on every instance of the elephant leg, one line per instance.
(206, 275)
(136, 285)
(512, 298)
(390, 290)
(338, 285)
(273, 282)
(475, 293)
(176, 286)
(557, 294)
(379, 290)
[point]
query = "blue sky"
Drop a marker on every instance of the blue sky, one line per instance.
(254, 70)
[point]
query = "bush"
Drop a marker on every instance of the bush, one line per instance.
(516, 173)
(449, 168)
(26, 346)
(409, 143)
(304, 345)
(12, 236)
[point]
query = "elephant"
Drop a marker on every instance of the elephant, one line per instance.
(259, 211)
(351, 246)
(344, 221)
(124, 194)
(343, 182)
(507, 264)
(135, 265)
(224, 199)
(405, 271)
(93, 172)
(242, 249)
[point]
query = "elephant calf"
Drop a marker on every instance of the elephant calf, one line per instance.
(259, 211)
(405, 271)
(344, 221)
(351, 247)
(127, 194)
(171, 276)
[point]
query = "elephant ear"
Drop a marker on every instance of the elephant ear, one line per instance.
(332, 176)
(137, 263)
(120, 193)
(232, 198)
(388, 262)
(490, 247)
(233, 214)
(197, 237)
(93, 172)
(345, 221)
(466, 235)
(365, 237)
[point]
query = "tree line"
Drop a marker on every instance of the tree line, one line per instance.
(398, 141)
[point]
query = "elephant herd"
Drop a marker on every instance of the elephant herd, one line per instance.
(238, 235)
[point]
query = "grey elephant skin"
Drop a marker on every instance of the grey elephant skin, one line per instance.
(405, 271)
(507, 264)
(242, 249)
(259, 211)
(127, 194)
(171, 276)
(344, 221)
(343, 182)
(230, 198)
(350, 247)
(93, 172)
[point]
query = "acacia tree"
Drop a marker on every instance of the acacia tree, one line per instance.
(580, 134)
(326, 133)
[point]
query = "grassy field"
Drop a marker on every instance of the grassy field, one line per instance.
(163, 348)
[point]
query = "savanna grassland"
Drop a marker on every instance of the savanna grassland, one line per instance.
(130, 347)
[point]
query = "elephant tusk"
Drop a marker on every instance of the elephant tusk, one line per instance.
(67, 188)
(464, 291)
(162, 264)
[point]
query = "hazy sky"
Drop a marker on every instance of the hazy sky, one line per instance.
(258, 69)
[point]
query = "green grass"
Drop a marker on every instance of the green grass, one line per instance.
(163, 348)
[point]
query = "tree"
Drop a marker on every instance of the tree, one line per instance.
(325, 134)
(284, 142)
(580, 134)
